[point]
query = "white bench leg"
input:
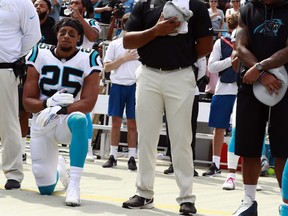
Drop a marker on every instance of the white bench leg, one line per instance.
(102, 144)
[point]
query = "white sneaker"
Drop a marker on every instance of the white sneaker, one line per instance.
(73, 196)
(229, 184)
(259, 188)
(90, 156)
(247, 207)
(63, 172)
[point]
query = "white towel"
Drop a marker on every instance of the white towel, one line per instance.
(179, 8)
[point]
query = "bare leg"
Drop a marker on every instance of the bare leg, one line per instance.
(279, 167)
(251, 168)
(115, 132)
(132, 133)
(218, 141)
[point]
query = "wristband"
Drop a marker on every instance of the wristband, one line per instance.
(261, 74)
(45, 104)
(63, 111)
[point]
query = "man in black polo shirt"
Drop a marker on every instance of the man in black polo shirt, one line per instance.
(166, 80)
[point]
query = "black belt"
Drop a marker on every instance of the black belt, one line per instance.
(6, 65)
(167, 68)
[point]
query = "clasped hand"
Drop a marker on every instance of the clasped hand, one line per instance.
(168, 26)
(60, 98)
(271, 83)
(54, 104)
(47, 115)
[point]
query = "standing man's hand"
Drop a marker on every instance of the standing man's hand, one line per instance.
(251, 75)
(271, 83)
(164, 27)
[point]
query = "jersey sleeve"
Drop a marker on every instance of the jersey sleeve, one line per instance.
(32, 58)
(94, 64)
(30, 26)
(94, 24)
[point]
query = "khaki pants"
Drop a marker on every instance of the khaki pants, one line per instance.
(10, 132)
(174, 91)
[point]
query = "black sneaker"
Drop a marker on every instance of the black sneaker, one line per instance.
(132, 164)
(12, 184)
(110, 163)
(212, 171)
(24, 158)
(170, 170)
(137, 202)
(187, 208)
(247, 208)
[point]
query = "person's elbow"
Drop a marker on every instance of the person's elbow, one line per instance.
(204, 46)
(94, 36)
(126, 41)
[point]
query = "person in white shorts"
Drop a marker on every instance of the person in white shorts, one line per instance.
(58, 92)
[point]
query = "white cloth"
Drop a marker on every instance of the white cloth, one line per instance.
(202, 67)
(216, 65)
(125, 73)
(262, 94)
(184, 5)
(179, 8)
(19, 29)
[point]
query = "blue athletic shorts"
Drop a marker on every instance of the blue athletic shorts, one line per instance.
(220, 110)
(122, 97)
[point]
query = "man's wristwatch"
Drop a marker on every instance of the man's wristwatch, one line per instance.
(259, 67)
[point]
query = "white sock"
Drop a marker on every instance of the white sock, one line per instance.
(132, 152)
(114, 151)
(216, 160)
(232, 160)
(75, 176)
(231, 175)
(23, 140)
(250, 191)
(89, 147)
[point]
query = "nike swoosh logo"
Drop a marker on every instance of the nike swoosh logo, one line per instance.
(32, 17)
(210, 29)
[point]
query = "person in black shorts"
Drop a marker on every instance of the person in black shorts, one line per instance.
(260, 22)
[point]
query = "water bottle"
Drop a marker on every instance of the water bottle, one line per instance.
(68, 11)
